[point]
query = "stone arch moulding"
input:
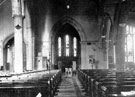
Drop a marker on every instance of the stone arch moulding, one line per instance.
(70, 21)
(7, 39)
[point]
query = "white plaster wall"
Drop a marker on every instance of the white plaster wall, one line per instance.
(92, 50)
(6, 20)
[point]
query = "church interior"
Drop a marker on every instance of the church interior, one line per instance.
(67, 48)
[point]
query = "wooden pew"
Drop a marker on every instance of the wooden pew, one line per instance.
(89, 80)
(24, 89)
(107, 83)
(94, 79)
(30, 84)
(126, 81)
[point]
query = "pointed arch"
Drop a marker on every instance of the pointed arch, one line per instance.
(71, 21)
(7, 39)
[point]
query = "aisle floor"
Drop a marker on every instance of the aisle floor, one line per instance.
(70, 87)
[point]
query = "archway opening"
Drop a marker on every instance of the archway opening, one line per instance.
(9, 55)
(67, 50)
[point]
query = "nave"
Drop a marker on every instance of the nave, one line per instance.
(41, 84)
(54, 83)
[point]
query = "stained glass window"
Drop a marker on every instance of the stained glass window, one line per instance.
(67, 45)
(130, 44)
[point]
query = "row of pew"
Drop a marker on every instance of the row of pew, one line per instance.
(31, 84)
(107, 83)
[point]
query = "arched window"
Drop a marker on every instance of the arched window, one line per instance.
(67, 45)
(75, 46)
(130, 44)
(59, 46)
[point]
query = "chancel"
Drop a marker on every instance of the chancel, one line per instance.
(67, 48)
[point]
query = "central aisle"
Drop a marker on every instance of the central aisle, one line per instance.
(70, 87)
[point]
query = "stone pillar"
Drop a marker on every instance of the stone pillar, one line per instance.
(29, 65)
(107, 43)
(83, 55)
(119, 37)
(1, 54)
(18, 35)
(52, 54)
(33, 53)
(114, 54)
(120, 57)
(29, 38)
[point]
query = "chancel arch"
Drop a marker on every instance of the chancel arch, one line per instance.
(67, 49)
(71, 21)
(57, 32)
